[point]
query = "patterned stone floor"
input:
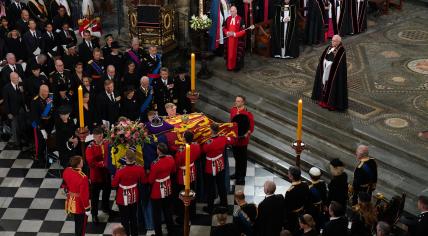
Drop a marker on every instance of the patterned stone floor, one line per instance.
(32, 204)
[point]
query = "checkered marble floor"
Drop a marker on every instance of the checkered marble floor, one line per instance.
(31, 202)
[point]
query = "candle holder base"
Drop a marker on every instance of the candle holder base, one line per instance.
(298, 147)
(187, 198)
(193, 96)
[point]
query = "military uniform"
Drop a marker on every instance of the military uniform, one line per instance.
(96, 71)
(296, 202)
(58, 79)
(365, 178)
(96, 157)
(117, 61)
(151, 65)
(126, 181)
(317, 199)
(160, 178)
(77, 203)
(41, 112)
(214, 149)
(145, 101)
(136, 56)
(165, 92)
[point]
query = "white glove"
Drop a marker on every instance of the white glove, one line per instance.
(44, 134)
(88, 212)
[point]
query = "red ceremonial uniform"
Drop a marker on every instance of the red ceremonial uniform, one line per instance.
(77, 186)
(180, 161)
(126, 180)
(235, 111)
(160, 176)
(233, 24)
(214, 149)
(96, 157)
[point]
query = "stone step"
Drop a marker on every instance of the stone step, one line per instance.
(336, 137)
(283, 153)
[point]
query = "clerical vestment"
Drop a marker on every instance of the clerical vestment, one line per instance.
(284, 32)
(234, 44)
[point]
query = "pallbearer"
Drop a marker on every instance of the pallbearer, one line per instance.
(330, 87)
(76, 185)
(126, 181)
(284, 30)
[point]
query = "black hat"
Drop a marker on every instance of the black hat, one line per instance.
(64, 110)
(181, 69)
(35, 66)
(336, 162)
(108, 35)
(70, 45)
(220, 210)
(115, 44)
(364, 197)
(62, 87)
(129, 88)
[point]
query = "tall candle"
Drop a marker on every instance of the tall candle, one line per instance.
(187, 177)
(299, 120)
(80, 98)
(201, 8)
(192, 72)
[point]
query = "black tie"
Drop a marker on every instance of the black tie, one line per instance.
(111, 97)
(14, 68)
(16, 88)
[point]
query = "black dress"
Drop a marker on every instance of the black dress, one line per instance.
(285, 45)
(131, 79)
(313, 232)
(64, 131)
(129, 108)
(17, 47)
(183, 87)
(359, 226)
(338, 189)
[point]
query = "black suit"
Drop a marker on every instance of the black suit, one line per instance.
(422, 225)
(21, 26)
(51, 41)
(270, 216)
(33, 42)
(40, 16)
(85, 52)
(5, 74)
(65, 39)
(14, 13)
(106, 109)
(296, 202)
(58, 21)
(14, 104)
(17, 47)
(336, 227)
(142, 95)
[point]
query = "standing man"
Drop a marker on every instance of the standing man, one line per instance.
(135, 54)
(422, 225)
(214, 167)
(164, 91)
(245, 121)
(33, 40)
(15, 108)
(317, 197)
(161, 195)
(41, 111)
(126, 181)
(108, 106)
(86, 47)
(235, 43)
(284, 39)
(341, 12)
(14, 12)
(330, 89)
(97, 154)
(152, 62)
(144, 96)
(61, 77)
(338, 224)
(270, 216)
(316, 19)
(365, 175)
(296, 199)
(76, 185)
(96, 69)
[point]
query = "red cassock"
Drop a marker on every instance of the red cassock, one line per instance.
(214, 149)
(126, 180)
(233, 24)
(235, 111)
(96, 157)
(76, 185)
(180, 161)
(160, 176)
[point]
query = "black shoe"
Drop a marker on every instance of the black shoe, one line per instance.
(207, 209)
(232, 176)
(95, 220)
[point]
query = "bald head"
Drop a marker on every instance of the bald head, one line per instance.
(362, 151)
(336, 40)
(14, 78)
(269, 187)
(44, 91)
(233, 11)
(111, 71)
(144, 81)
(11, 59)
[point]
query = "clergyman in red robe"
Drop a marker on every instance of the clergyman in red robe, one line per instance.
(235, 43)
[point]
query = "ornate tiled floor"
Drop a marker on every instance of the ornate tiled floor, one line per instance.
(31, 202)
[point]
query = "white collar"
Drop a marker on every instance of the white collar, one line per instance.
(269, 195)
(334, 218)
(108, 94)
(14, 85)
(11, 66)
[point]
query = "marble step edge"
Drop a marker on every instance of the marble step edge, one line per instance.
(344, 152)
(280, 166)
(273, 98)
(310, 123)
